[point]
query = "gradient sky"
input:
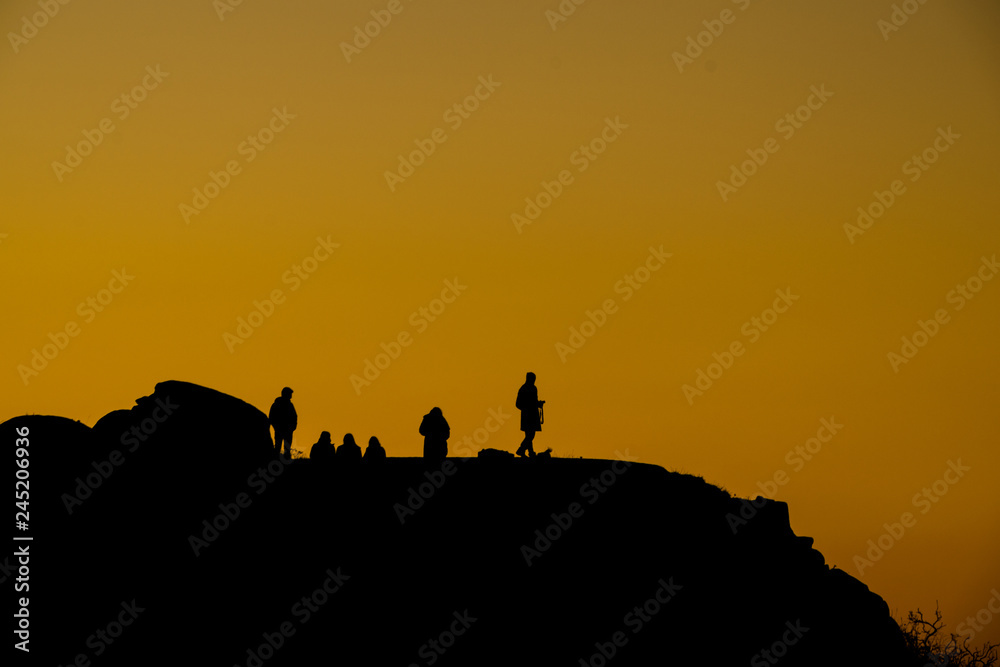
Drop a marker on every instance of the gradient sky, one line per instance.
(656, 184)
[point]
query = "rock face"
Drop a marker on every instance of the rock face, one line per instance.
(216, 428)
(214, 552)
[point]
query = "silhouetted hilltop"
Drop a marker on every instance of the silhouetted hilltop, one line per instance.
(176, 517)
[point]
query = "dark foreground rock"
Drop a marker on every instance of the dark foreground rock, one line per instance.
(168, 533)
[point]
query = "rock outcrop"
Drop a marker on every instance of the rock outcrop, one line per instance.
(178, 508)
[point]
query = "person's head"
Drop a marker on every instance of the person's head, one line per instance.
(530, 378)
(286, 392)
(437, 412)
(373, 442)
(324, 437)
(349, 440)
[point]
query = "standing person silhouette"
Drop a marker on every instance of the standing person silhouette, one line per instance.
(284, 420)
(436, 432)
(531, 416)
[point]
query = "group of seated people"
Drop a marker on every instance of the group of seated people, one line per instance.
(349, 452)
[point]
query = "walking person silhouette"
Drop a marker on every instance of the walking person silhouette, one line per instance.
(284, 420)
(531, 414)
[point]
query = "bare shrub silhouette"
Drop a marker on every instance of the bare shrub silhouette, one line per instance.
(928, 643)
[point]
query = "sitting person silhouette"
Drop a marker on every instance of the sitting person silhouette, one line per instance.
(436, 432)
(375, 454)
(531, 414)
(284, 420)
(349, 452)
(323, 450)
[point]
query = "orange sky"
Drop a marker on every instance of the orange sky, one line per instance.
(625, 144)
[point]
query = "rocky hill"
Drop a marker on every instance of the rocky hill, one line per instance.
(170, 534)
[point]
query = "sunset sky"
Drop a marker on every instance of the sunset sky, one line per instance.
(276, 148)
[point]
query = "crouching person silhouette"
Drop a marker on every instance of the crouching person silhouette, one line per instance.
(323, 450)
(284, 420)
(349, 453)
(375, 454)
(531, 414)
(436, 432)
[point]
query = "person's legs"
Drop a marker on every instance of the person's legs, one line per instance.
(525, 449)
(286, 438)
